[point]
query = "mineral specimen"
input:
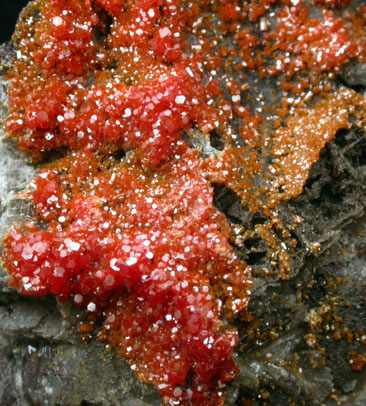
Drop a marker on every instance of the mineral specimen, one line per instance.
(144, 116)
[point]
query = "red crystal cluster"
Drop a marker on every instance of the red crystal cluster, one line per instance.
(138, 242)
(151, 252)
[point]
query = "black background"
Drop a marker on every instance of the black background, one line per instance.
(9, 11)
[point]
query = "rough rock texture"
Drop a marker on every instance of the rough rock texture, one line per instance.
(288, 352)
(333, 211)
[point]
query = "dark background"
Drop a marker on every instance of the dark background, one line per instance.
(9, 11)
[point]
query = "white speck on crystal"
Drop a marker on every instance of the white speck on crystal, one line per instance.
(57, 21)
(91, 307)
(180, 99)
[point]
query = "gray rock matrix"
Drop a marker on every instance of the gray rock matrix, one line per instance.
(44, 361)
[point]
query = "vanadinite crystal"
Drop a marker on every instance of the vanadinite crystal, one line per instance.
(125, 223)
(150, 250)
(137, 241)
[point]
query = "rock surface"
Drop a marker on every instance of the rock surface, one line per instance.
(288, 353)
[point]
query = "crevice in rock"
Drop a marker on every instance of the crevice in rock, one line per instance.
(224, 199)
(359, 88)
(120, 154)
(198, 141)
(54, 155)
(216, 141)
(258, 219)
(254, 250)
(87, 403)
(103, 29)
(256, 258)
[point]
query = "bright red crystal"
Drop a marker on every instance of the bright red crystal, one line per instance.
(138, 242)
(152, 252)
